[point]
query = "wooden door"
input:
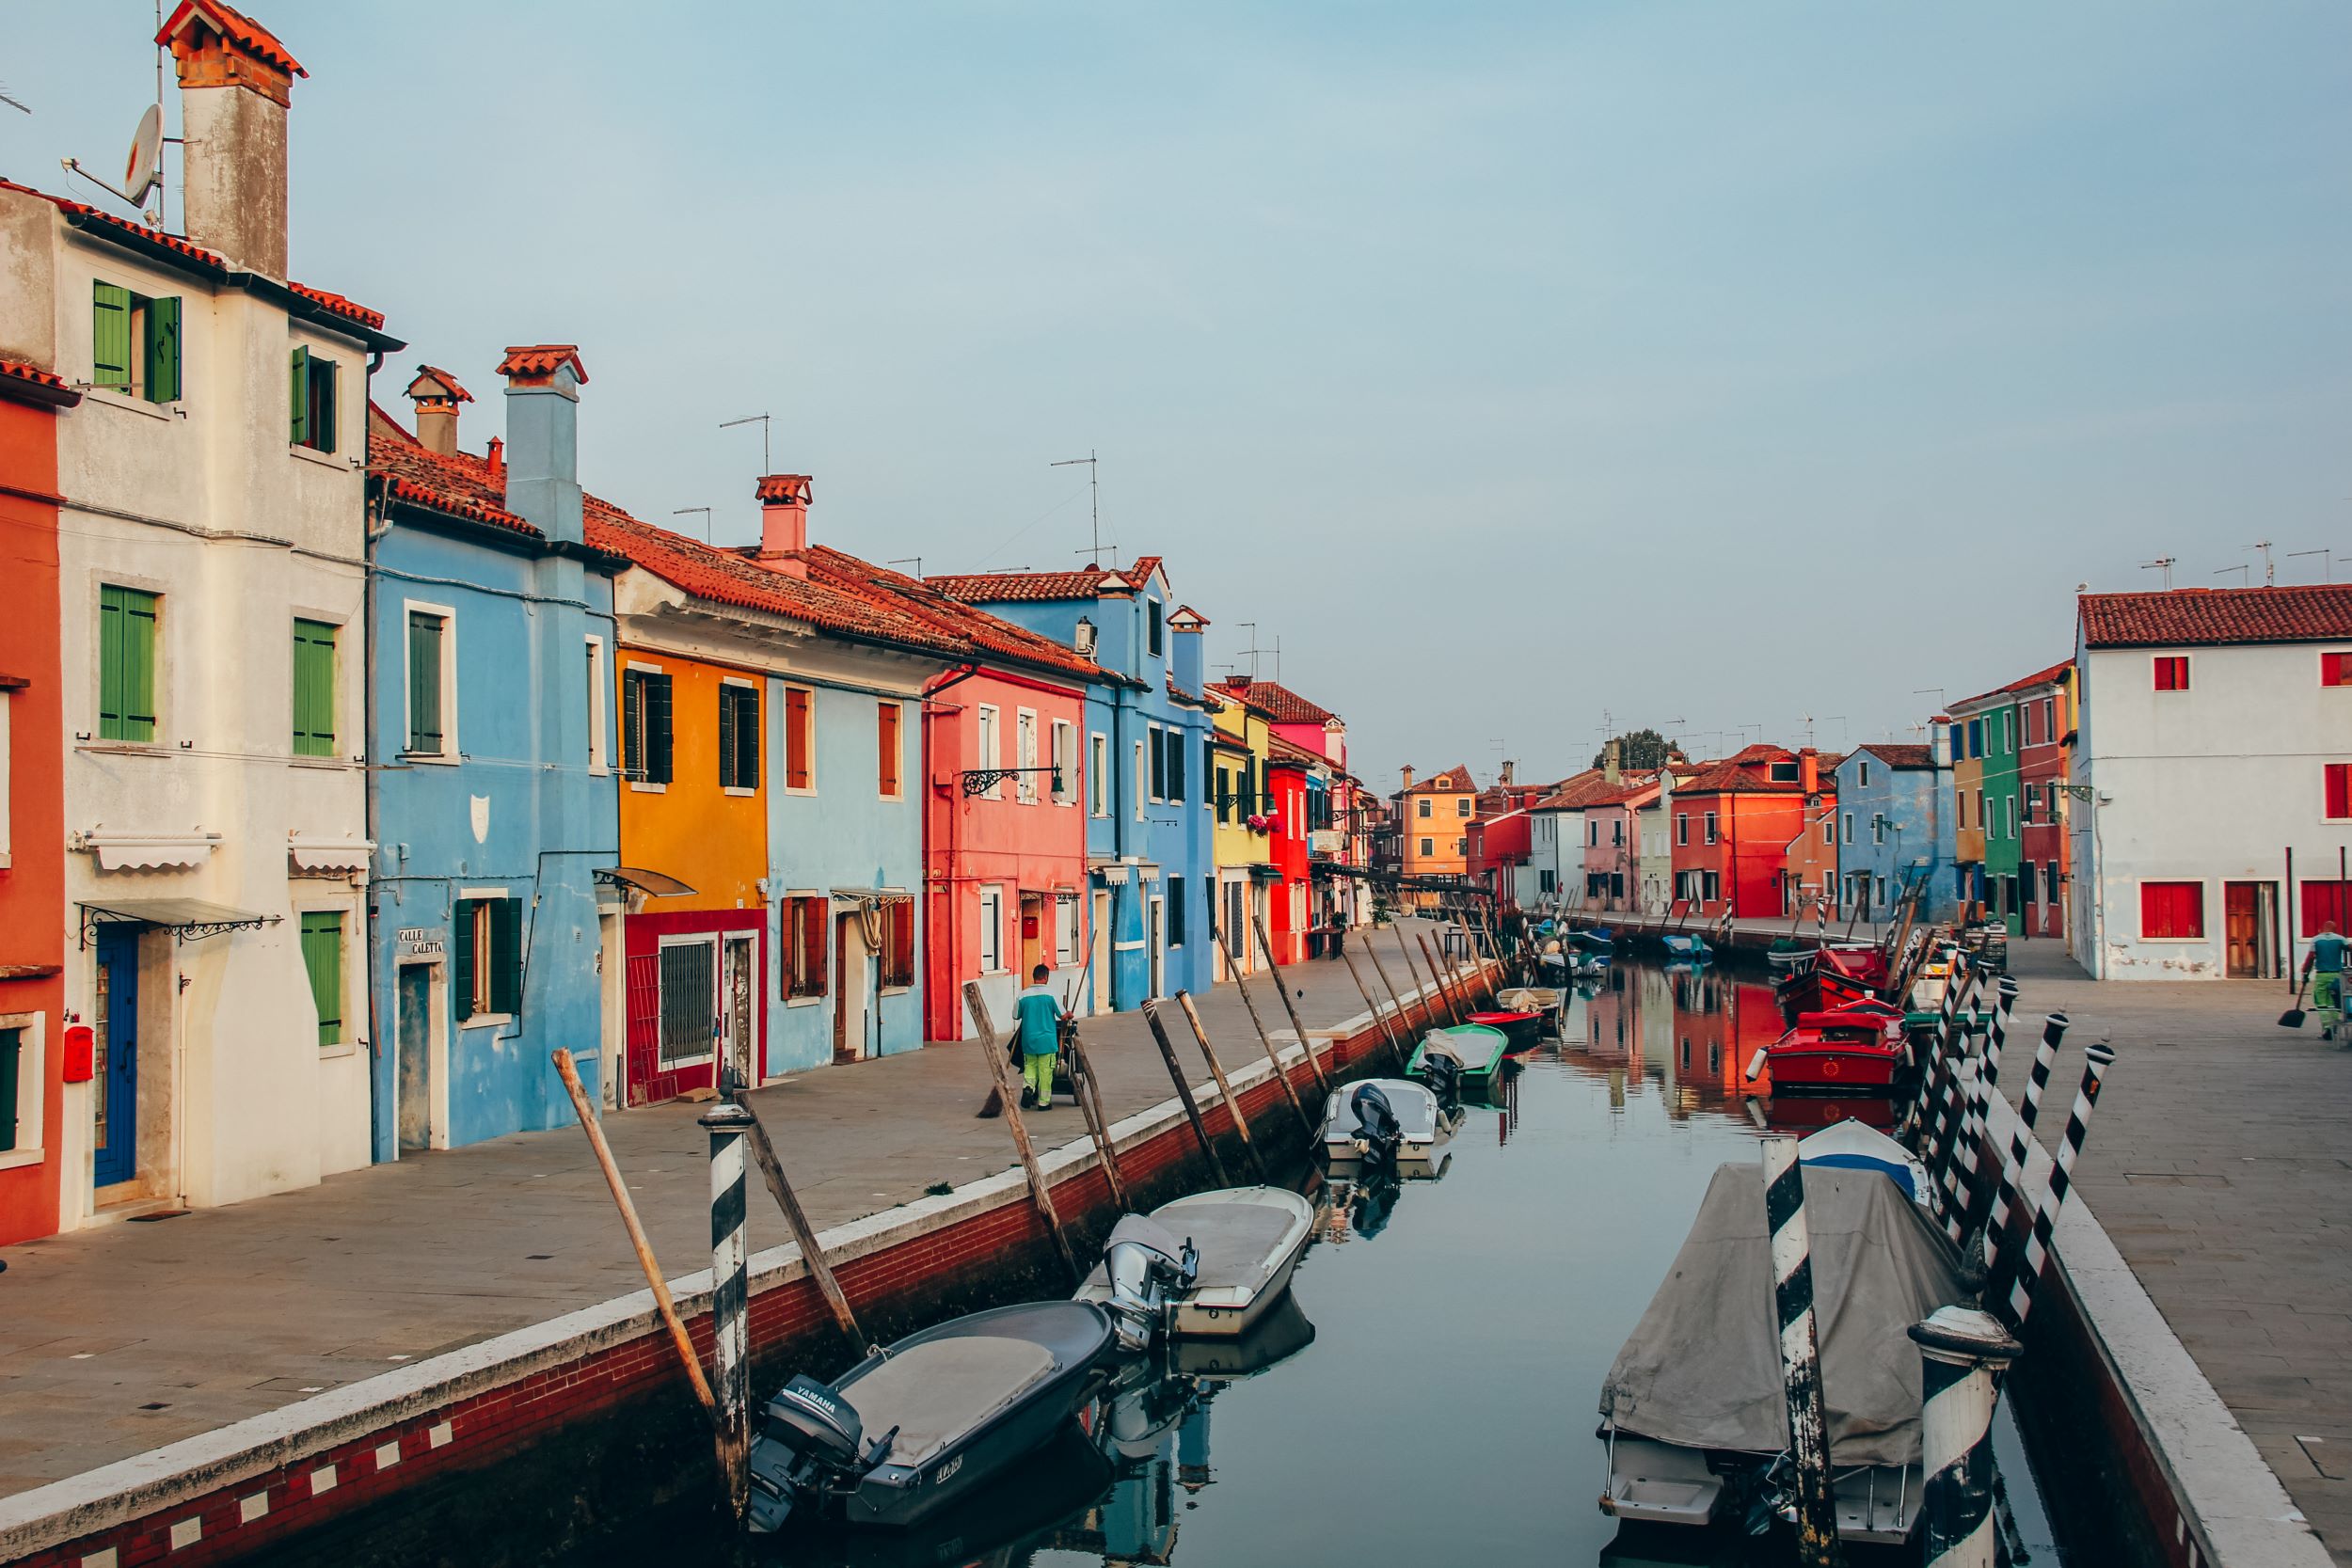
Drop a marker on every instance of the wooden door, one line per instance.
(412, 1038)
(116, 1134)
(741, 983)
(2241, 930)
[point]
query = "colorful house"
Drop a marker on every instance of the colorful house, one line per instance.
(1608, 848)
(33, 1044)
(1337, 840)
(1240, 748)
(1988, 724)
(211, 578)
(1895, 829)
(1296, 783)
(2046, 728)
(1434, 842)
(493, 807)
(1733, 823)
(1809, 865)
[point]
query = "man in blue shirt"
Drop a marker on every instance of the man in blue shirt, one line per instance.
(1037, 1024)
(2327, 957)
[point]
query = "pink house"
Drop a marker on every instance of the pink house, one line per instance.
(1612, 841)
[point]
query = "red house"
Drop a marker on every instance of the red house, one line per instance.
(1289, 911)
(1732, 823)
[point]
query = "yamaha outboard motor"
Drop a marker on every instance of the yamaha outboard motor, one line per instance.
(807, 1445)
(1378, 1133)
(1144, 1264)
(1441, 1069)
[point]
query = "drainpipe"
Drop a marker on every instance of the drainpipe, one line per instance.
(372, 527)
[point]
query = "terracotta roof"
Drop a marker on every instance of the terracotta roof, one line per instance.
(975, 629)
(1454, 778)
(1899, 755)
(457, 484)
(234, 26)
(29, 383)
(2205, 616)
(435, 373)
(538, 361)
(1592, 789)
(2024, 683)
(1626, 792)
(1282, 704)
(1747, 773)
(1086, 583)
(783, 488)
(338, 305)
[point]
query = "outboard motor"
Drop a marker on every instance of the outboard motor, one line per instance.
(1441, 1069)
(807, 1445)
(1378, 1133)
(1145, 1263)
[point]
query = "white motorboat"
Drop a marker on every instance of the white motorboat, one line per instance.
(1393, 1121)
(1851, 1145)
(1209, 1264)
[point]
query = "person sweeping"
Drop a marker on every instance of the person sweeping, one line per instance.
(1037, 1024)
(2323, 966)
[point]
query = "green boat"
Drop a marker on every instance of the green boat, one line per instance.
(1478, 1048)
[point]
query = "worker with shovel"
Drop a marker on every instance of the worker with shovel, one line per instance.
(2324, 967)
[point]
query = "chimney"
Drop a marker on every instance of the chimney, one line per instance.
(1809, 770)
(436, 395)
(1612, 770)
(1409, 775)
(784, 522)
(235, 84)
(495, 459)
(1509, 768)
(543, 382)
(1184, 654)
(1940, 727)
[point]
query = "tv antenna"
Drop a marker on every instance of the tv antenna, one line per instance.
(915, 561)
(1094, 501)
(2326, 563)
(2162, 563)
(12, 103)
(2243, 571)
(2270, 578)
(763, 420)
(688, 510)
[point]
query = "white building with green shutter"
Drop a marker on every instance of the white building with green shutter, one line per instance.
(213, 596)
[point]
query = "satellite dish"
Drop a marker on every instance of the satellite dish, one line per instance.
(144, 170)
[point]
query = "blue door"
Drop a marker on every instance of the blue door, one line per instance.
(116, 1025)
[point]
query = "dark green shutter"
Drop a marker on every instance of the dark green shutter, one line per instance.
(506, 955)
(322, 404)
(461, 958)
(1175, 912)
(424, 683)
(726, 737)
(1175, 765)
(12, 1060)
(747, 738)
(1156, 748)
(657, 718)
(162, 350)
(313, 689)
(322, 955)
(126, 664)
(110, 335)
(632, 732)
(300, 435)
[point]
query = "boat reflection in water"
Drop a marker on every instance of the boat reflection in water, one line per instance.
(1689, 1032)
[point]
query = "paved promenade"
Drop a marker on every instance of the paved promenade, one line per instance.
(119, 1339)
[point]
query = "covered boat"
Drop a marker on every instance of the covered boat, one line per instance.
(1683, 947)
(1854, 1051)
(912, 1429)
(1211, 1263)
(1854, 1144)
(1398, 1123)
(1692, 1411)
(1476, 1049)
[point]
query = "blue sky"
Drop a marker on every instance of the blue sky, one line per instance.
(1511, 363)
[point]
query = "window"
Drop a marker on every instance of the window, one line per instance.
(1865, 778)
(1428, 846)
(2049, 719)
(1828, 829)
(1099, 775)
(1461, 845)
(2171, 912)
(1592, 835)
(1783, 773)
(313, 402)
(1878, 828)
(1175, 912)
(991, 757)
(1543, 881)
(2321, 904)
(2337, 777)
(690, 999)
(1976, 738)
(487, 957)
(799, 739)
(1065, 762)
(1155, 747)
(2335, 668)
(1462, 806)
(2029, 891)
(2008, 816)
(134, 343)
(1710, 828)
(322, 959)
(1066, 930)
(126, 664)
(313, 689)
(1848, 827)
(1682, 828)
(897, 934)
(1208, 771)
(2171, 672)
(1175, 743)
(598, 759)
(1224, 795)
(428, 684)
(1024, 755)
(800, 968)
(1616, 832)
(2009, 731)
(1423, 804)
(992, 930)
(1143, 781)
(12, 1080)
(646, 726)
(738, 736)
(888, 751)
(1152, 626)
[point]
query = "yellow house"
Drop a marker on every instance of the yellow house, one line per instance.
(1237, 792)
(1434, 817)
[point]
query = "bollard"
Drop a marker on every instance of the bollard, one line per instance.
(1961, 1351)
(1800, 1351)
(1963, 1175)
(2007, 1202)
(730, 1297)
(2035, 1254)
(1920, 1089)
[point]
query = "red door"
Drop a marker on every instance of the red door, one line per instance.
(644, 1025)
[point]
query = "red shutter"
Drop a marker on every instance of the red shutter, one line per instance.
(813, 945)
(2321, 902)
(2339, 790)
(2335, 668)
(2171, 911)
(795, 738)
(2172, 672)
(886, 715)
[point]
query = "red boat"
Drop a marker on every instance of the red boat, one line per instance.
(1855, 1050)
(1834, 978)
(1518, 1029)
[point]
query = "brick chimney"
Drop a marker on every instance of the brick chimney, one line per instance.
(543, 382)
(1509, 768)
(236, 82)
(1809, 770)
(784, 522)
(436, 395)
(1409, 775)
(1612, 771)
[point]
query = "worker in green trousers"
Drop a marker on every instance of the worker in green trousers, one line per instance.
(1036, 1024)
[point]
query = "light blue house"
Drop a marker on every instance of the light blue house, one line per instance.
(1150, 853)
(492, 802)
(1895, 829)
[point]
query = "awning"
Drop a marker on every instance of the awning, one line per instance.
(1266, 873)
(330, 854)
(653, 885)
(123, 851)
(187, 918)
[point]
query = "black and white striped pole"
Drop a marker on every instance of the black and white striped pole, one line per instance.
(730, 1296)
(1939, 1088)
(1932, 1069)
(1943, 1134)
(1964, 1171)
(1799, 1351)
(2007, 1201)
(2035, 1253)
(1963, 1349)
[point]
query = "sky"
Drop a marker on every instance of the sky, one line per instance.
(1744, 371)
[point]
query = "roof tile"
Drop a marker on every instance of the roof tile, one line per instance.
(1085, 583)
(2189, 617)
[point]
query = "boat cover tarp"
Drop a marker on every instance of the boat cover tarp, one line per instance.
(936, 1392)
(1702, 1369)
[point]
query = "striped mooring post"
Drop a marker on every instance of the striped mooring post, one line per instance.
(1799, 1351)
(1914, 1111)
(1965, 1168)
(2007, 1201)
(1963, 1349)
(730, 1297)
(1939, 1088)
(2034, 1256)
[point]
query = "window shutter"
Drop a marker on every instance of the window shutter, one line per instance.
(313, 689)
(902, 934)
(747, 738)
(1175, 912)
(461, 957)
(2340, 789)
(795, 738)
(162, 350)
(322, 404)
(886, 726)
(506, 955)
(1156, 742)
(12, 1060)
(322, 955)
(657, 706)
(726, 736)
(299, 429)
(110, 335)
(424, 683)
(1175, 767)
(632, 732)
(126, 664)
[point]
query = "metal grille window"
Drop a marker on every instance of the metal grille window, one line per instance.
(426, 634)
(689, 993)
(739, 736)
(323, 957)
(126, 663)
(313, 689)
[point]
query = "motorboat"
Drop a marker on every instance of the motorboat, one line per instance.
(1386, 1122)
(1683, 947)
(1208, 1264)
(1853, 1145)
(1529, 999)
(1834, 978)
(999, 1525)
(1518, 1026)
(1854, 1051)
(1475, 1049)
(1693, 1418)
(1599, 936)
(950, 1410)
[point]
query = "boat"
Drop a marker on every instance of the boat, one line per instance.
(1237, 1248)
(1518, 1026)
(1599, 936)
(1854, 1051)
(1834, 978)
(1854, 1144)
(1693, 1420)
(1475, 1051)
(1385, 1121)
(913, 1429)
(1529, 999)
(1683, 946)
(1063, 1476)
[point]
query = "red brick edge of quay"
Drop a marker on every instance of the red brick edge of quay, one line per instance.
(210, 1498)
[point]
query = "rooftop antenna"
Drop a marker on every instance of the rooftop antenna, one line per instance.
(915, 561)
(2162, 563)
(2270, 578)
(686, 510)
(762, 421)
(143, 170)
(1095, 498)
(13, 103)
(2326, 563)
(1254, 650)
(2242, 569)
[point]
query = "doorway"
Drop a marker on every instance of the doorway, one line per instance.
(1156, 946)
(2249, 920)
(1100, 963)
(1032, 934)
(412, 1037)
(116, 1027)
(1237, 928)
(850, 952)
(740, 984)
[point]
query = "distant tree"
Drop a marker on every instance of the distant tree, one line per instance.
(1640, 750)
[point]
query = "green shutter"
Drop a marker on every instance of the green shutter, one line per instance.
(461, 957)
(110, 335)
(126, 664)
(162, 350)
(322, 955)
(11, 1061)
(746, 737)
(726, 736)
(322, 404)
(657, 706)
(1175, 912)
(506, 955)
(313, 689)
(424, 683)
(300, 380)
(632, 738)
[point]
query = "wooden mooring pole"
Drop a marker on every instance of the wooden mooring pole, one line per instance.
(1089, 1094)
(1250, 1005)
(1184, 1092)
(803, 1233)
(1283, 990)
(1429, 1003)
(1224, 1086)
(1364, 991)
(1403, 1026)
(1436, 978)
(1010, 1092)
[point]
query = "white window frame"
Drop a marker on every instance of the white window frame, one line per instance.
(1066, 930)
(987, 740)
(1424, 813)
(478, 896)
(449, 755)
(1865, 769)
(32, 1073)
(600, 699)
(1098, 773)
(1064, 758)
(2190, 667)
(1025, 755)
(992, 948)
(717, 981)
(1429, 848)
(1462, 804)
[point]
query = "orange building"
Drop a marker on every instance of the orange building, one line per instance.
(1435, 816)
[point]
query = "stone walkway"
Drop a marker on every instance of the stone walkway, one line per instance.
(120, 1338)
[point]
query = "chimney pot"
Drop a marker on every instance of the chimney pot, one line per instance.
(1409, 775)
(496, 458)
(543, 382)
(1809, 770)
(436, 395)
(236, 82)
(784, 521)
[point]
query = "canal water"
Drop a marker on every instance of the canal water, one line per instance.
(1428, 1394)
